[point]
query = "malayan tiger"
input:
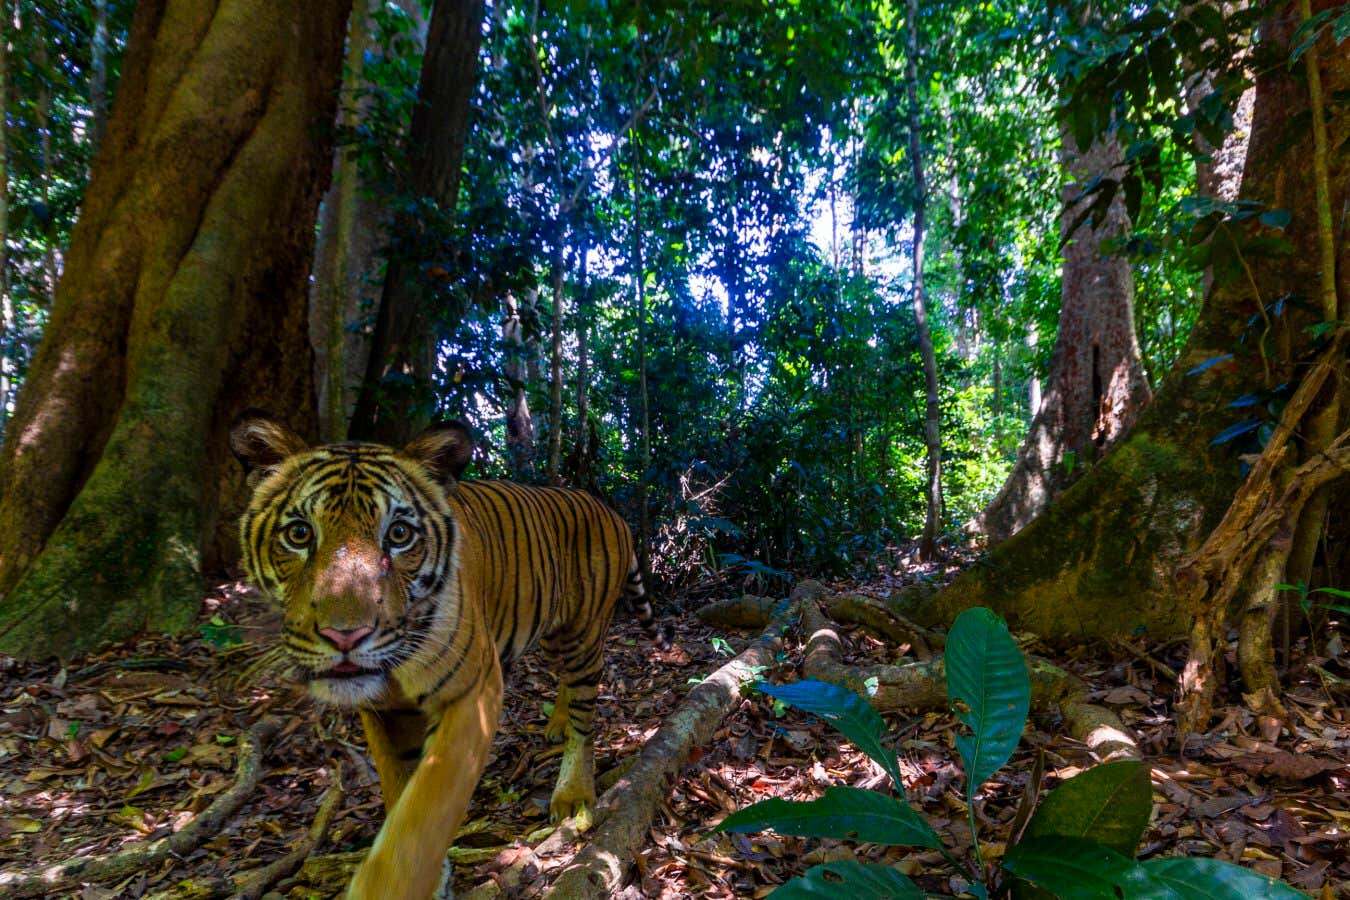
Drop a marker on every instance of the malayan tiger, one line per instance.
(407, 593)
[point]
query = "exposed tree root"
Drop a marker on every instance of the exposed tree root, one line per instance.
(1246, 552)
(884, 622)
(626, 810)
(252, 884)
(119, 865)
(745, 612)
(923, 685)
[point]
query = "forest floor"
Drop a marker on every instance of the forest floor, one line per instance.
(131, 745)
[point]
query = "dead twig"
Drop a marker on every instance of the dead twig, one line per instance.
(626, 810)
(251, 885)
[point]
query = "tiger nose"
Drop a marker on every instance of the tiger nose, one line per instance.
(345, 640)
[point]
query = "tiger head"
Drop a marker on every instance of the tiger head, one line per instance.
(357, 544)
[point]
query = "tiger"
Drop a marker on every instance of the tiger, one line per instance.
(407, 592)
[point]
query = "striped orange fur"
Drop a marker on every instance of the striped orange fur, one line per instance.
(407, 593)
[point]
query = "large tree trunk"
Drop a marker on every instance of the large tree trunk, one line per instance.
(932, 420)
(396, 399)
(1097, 386)
(183, 301)
(1101, 559)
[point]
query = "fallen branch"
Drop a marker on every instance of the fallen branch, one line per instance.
(923, 685)
(142, 857)
(884, 622)
(627, 809)
(252, 884)
(739, 613)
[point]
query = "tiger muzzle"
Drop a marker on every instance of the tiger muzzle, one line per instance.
(350, 592)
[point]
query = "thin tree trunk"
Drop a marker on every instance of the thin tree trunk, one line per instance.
(998, 400)
(644, 404)
(98, 74)
(519, 423)
(583, 362)
(396, 399)
(1101, 559)
(182, 303)
(932, 422)
(1097, 386)
(50, 267)
(6, 302)
(555, 392)
(352, 228)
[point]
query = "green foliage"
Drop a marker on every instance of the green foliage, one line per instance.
(757, 157)
(1109, 803)
(861, 880)
(843, 812)
(851, 715)
(1079, 843)
(988, 686)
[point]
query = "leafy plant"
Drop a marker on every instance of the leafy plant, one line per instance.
(1079, 842)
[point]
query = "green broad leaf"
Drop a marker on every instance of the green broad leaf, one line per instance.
(855, 880)
(851, 715)
(1072, 868)
(1275, 218)
(1180, 878)
(988, 683)
(843, 812)
(1108, 804)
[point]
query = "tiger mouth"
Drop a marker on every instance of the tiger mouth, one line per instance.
(344, 670)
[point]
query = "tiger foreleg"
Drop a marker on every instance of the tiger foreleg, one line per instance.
(394, 740)
(556, 729)
(574, 794)
(406, 859)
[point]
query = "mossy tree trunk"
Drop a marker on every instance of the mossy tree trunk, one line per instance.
(183, 301)
(1101, 559)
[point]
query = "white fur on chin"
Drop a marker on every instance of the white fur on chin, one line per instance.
(355, 691)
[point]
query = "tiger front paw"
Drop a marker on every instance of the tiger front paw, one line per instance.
(580, 811)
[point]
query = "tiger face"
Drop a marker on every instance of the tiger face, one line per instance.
(357, 544)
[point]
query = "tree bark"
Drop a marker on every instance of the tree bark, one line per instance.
(644, 401)
(98, 74)
(183, 302)
(6, 302)
(396, 399)
(50, 265)
(519, 423)
(582, 471)
(353, 223)
(555, 391)
(932, 421)
(1097, 386)
(1100, 560)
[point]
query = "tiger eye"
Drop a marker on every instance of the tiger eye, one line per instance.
(400, 534)
(299, 534)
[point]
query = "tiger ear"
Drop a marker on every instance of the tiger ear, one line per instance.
(444, 448)
(260, 443)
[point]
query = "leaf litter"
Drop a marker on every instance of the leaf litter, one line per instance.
(131, 744)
